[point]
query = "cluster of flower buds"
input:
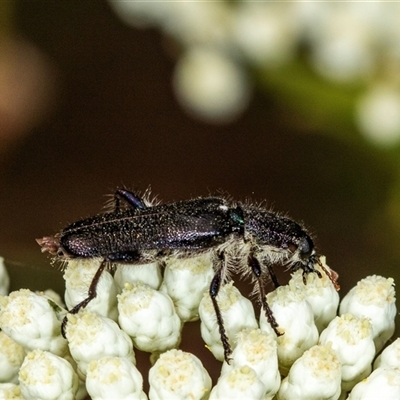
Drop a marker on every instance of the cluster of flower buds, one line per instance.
(327, 350)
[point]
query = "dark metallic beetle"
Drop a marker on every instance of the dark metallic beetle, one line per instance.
(243, 237)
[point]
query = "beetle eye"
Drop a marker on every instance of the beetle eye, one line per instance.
(306, 247)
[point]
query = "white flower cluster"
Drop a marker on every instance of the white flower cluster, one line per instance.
(345, 41)
(319, 356)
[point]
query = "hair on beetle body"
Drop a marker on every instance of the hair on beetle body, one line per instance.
(242, 237)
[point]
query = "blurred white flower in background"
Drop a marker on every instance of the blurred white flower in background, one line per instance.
(378, 115)
(265, 33)
(141, 14)
(199, 23)
(341, 41)
(4, 278)
(344, 42)
(211, 85)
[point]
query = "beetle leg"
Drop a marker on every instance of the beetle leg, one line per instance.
(272, 275)
(128, 197)
(214, 290)
(92, 293)
(257, 272)
(332, 275)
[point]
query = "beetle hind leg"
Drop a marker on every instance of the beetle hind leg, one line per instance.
(92, 293)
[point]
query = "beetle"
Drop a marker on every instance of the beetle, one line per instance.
(243, 237)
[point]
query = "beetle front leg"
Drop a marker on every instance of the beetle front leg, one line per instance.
(332, 275)
(92, 293)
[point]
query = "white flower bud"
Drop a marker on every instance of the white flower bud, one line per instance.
(315, 375)
(11, 357)
(79, 275)
(185, 281)
(383, 383)
(30, 320)
(4, 278)
(114, 378)
(46, 376)
(92, 336)
(149, 317)
(373, 298)
(351, 338)
(178, 375)
(320, 293)
(295, 319)
(10, 391)
(150, 274)
(81, 393)
(390, 356)
(237, 313)
(257, 350)
(53, 296)
(239, 383)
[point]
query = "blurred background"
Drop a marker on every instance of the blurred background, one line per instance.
(297, 104)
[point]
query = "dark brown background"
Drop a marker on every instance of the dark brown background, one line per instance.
(116, 121)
